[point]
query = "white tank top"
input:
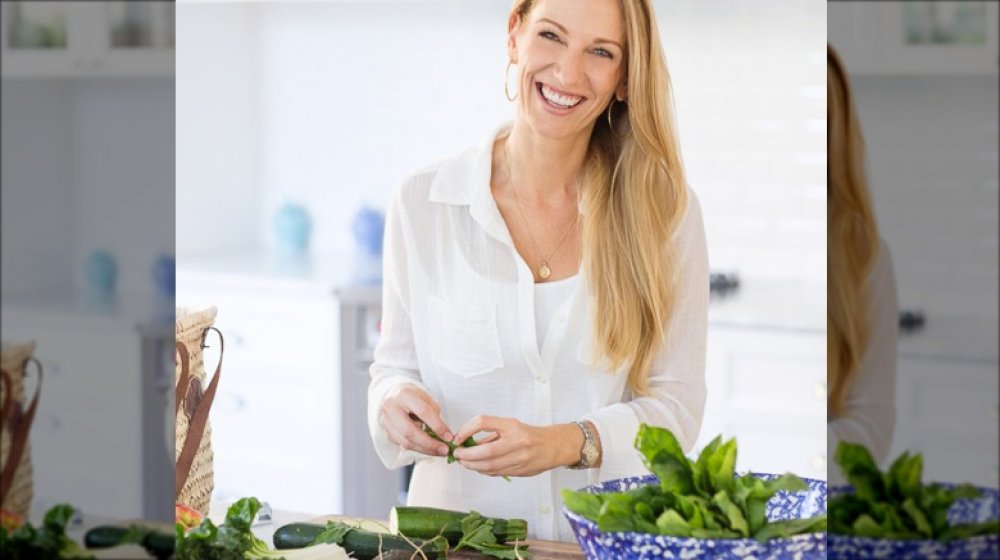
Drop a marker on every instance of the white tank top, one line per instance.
(549, 297)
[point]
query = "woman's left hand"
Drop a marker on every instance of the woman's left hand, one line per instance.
(517, 449)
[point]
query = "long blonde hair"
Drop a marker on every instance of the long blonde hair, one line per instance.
(634, 197)
(852, 238)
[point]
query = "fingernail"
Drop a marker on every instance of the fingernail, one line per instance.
(443, 450)
(448, 436)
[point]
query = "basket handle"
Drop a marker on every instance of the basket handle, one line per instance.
(20, 424)
(199, 420)
(182, 383)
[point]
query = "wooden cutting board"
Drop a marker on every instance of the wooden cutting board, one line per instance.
(540, 550)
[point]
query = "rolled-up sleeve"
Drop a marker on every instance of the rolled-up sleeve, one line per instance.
(395, 359)
(676, 391)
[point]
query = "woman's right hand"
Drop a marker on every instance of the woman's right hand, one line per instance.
(404, 409)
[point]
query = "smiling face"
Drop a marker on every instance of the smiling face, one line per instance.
(570, 56)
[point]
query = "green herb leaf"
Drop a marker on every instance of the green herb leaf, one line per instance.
(477, 534)
(672, 524)
(469, 442)
(582, 503)
(787, 527)
(737, 522)
(333, 534)
(702, 471)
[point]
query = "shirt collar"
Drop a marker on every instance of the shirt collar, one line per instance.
(464, 180)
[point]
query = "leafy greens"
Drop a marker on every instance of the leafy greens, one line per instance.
(702, 499)
(895, 504)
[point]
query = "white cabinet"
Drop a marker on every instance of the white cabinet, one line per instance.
(765, 371)
(767, 388)
(276, 420)
(100, 439)
(948, 411)
(89, 39)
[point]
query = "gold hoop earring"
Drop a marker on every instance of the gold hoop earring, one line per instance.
(506, 78)
(611, 124)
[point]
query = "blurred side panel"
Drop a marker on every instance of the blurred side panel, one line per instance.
(87, 256)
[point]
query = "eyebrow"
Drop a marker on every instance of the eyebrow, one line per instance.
(566, 31)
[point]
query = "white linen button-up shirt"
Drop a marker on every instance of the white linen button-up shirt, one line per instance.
(458, 321)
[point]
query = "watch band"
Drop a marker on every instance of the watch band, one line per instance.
(588, 453)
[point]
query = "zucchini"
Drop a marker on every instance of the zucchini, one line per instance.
(427, 523)
(158, 544)
(104, 536)
(359, 543)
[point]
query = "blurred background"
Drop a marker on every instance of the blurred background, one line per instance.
(87, 254)
(297, 120)
(925, 83)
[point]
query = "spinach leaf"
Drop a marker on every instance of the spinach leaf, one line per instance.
(895, 504)
(477, 534)
(702, 498)
(582, 503)
(469, 442)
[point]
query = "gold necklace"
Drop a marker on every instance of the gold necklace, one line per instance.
(543, 271)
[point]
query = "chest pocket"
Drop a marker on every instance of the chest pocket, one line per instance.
(465, 340)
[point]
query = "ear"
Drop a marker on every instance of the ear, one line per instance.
(513, 28)
(621, 94)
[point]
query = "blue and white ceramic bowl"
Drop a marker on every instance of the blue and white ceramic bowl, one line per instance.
(980, 547)
(598, 545)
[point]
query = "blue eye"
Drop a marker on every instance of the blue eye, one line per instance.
(604, 52)
(549, 35)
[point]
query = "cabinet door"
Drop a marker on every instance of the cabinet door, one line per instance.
(275, 420)
(768, 389)
(41, 38)
(136, 38)
(948, 411)
(68, 39)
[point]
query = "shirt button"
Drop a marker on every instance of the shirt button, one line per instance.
(540, 380)
(545, 510)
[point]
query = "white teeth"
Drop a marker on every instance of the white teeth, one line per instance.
(566, 101)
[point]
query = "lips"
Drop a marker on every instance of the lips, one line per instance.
(558, 99)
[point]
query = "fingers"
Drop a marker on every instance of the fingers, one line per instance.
(498, 461)
(429, 413)
(478, 424)
(409, 435)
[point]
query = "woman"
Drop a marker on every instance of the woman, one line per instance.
(549, 287)
(862, 313)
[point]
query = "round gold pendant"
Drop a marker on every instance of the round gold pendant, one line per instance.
(544, 271)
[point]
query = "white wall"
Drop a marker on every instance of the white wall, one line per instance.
(218, 188)
(355, 95)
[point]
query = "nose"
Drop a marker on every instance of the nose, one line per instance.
(570, 71)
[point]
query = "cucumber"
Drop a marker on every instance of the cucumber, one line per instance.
(427, 523)
(359, 543)
(104, 536)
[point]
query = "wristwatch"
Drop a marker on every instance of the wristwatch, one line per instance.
(588, 453)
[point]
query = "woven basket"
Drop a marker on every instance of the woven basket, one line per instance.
(195, 478)
(16, 473)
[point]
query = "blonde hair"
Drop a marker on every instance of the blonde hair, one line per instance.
(634, 197)
(852, 238)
